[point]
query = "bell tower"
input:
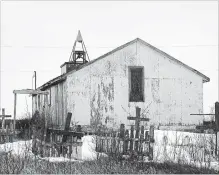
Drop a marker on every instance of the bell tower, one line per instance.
(77, 57)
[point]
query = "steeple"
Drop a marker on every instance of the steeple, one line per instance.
(77, 57)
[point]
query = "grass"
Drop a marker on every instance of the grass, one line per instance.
(113, 164)
(103, 165)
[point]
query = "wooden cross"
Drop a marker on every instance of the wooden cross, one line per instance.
(138, 118)
(3, 117)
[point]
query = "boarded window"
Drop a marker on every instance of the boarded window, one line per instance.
(136, 84)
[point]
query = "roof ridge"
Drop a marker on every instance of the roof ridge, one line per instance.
(207, 79)
(62, 77)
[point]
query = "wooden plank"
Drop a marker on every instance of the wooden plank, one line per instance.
(217, 115)
(137, 127)
(68, 133)
(147, 135)
(122, 131)
(141, 119)
(107, 144)
(152, 133)
(202, 114)
(5, 116)
(67, 126)
(125, 146)
(122, 136)
(131, 137)
(15, 105)
(150, 157)
(141, 140)
(29, 91)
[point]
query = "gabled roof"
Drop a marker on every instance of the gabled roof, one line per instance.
(63, 77)
(205, 78)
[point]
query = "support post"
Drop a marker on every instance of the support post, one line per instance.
(35, 78)
(217, 125)
(46, 111)
(15, 103)
(3, 118)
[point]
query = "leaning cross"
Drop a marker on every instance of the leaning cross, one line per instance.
(137, 118)
(3, 117)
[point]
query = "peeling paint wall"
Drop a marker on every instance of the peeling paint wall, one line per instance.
(92, 90)
(100, 90)
(176, 92)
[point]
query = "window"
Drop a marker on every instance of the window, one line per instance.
(136, 84)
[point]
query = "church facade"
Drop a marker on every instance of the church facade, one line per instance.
(108, 89)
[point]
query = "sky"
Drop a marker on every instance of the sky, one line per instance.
(39, 36)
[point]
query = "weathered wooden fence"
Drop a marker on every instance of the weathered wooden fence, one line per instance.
(127, 142)
(6, 135)
(55, 147)
(6, 132)
(57, 142)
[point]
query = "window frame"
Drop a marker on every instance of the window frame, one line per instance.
(130, 68)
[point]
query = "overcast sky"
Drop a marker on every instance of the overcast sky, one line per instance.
(40, 35)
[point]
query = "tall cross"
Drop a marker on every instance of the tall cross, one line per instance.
(138, 118)
(3, 117)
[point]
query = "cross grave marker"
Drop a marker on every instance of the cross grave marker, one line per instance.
(137, 119)
(3, 116)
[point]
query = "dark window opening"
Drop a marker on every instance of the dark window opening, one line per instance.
(136, 84)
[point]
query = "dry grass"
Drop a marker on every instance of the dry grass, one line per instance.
(101, 166)
(28, 164)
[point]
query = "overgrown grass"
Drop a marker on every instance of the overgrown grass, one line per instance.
(25, 163)
(21, 165)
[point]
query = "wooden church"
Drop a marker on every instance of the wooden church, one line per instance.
(107, 90)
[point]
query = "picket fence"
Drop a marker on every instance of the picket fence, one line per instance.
(127, 142)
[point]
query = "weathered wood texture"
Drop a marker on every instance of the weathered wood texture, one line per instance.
(59, 142)
(55, 147)
(126, 142)
(6, 135)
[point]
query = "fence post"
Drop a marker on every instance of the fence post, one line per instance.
(131, 138)
(141, 139)
(151, 139)
(151, 133)
(125, 146)
(217, 127)
(122, 137)
(3, 119)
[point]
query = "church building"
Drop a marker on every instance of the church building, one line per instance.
(107, 90)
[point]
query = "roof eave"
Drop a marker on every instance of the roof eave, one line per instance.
(52, 82)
